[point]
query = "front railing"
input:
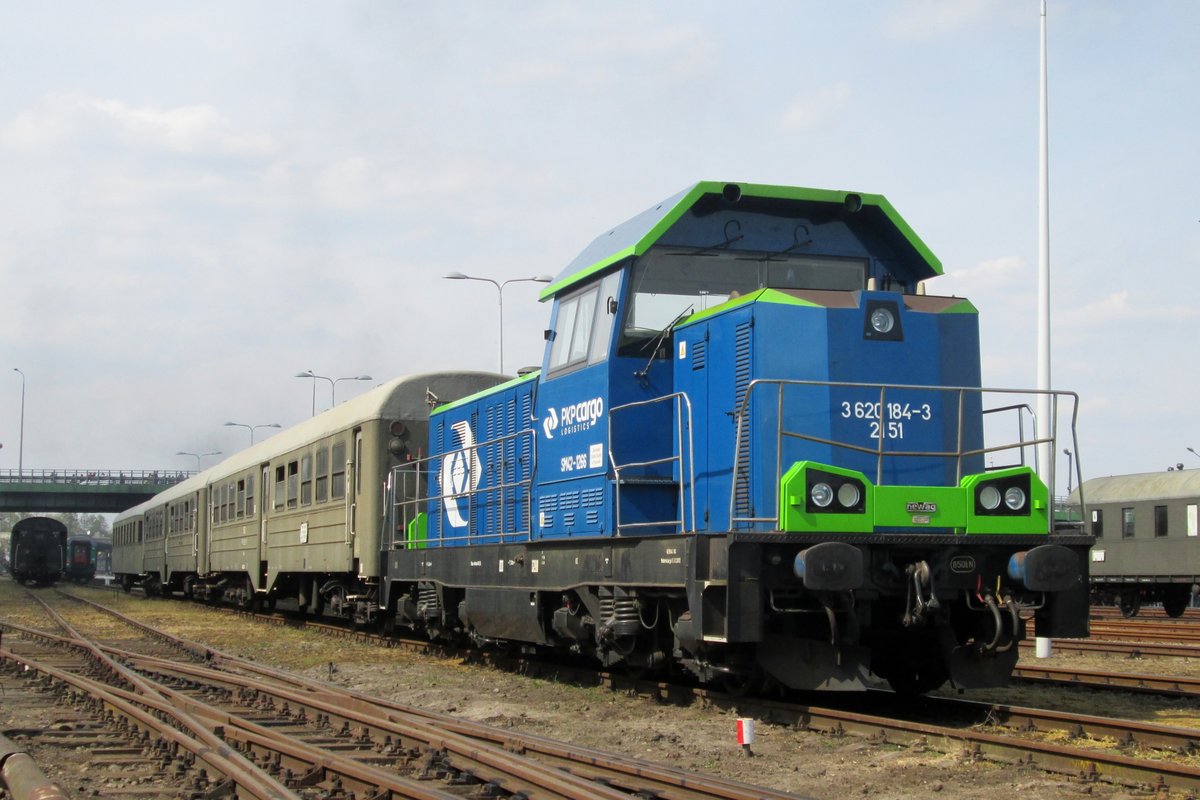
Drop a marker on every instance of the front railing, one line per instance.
(885, 413)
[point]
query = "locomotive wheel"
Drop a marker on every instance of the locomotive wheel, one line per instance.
(1129, 602)
(741, 684)
(1175, 600)
(912, 683)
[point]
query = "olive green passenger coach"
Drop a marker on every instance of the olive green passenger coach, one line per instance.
(296, 516)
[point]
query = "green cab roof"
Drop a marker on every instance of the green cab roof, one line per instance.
(635, 236)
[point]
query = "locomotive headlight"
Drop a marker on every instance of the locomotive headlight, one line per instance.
(989, 498)
(821, 494)
(848, 495)
(1014, 498)
(882, 320)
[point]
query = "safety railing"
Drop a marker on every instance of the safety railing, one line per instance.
(681, 446)
(883, 416)
(409, 494)
(95, 477)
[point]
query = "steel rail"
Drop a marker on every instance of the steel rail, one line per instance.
(1122, 648)
(236, 767)
(222, 759)
(487, 763)
(631, 774)
(300, 757)
(1084, 762)
(1132, 682)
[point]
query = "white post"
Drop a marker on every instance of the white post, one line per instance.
(1046, 425)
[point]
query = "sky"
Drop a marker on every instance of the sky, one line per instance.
(200, 200)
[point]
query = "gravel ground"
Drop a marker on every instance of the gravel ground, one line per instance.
(808, 764)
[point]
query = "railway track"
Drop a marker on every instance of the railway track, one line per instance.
(278, 735)
(1138, 754)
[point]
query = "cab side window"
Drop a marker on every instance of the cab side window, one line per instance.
(583, 326)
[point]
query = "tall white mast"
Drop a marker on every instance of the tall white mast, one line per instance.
(1045, 452)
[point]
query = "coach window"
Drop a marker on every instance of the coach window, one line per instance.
(306, 478)
(322, 475)
(280, 486)
(1160, 520)
(250, 510)
(1127, 523)
(338, 481)
(293, 483)
(240, 508)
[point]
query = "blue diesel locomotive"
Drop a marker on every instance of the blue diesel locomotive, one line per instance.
(755, 448)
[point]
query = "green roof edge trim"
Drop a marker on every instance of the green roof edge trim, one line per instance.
(962, 307)
(753, 190)
(759, 296)
(485, 392)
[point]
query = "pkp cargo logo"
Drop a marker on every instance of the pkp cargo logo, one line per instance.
(550, 424)
(459, 474)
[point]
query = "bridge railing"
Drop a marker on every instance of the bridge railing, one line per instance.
(95, 477)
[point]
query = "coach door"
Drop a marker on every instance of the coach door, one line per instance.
(355, 478)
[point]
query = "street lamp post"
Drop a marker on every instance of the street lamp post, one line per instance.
(1193, 452)
(333, 382)
(336, 381)
(252, 428)
(1069, 456)
(21, 446)
(458, 276)
(198, 456)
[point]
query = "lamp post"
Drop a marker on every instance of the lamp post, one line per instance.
(333, 387)
(252, 428)
(333, 382)
(458, 276)
(198, 456)
(1193, 452)
(1069, 456)
(21, 446)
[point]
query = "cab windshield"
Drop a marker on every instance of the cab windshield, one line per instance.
(667, 282)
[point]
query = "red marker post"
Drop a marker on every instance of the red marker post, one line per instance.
(745, 734)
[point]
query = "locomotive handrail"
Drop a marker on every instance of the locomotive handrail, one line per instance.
(423, 468)
(880, 450)
(687, 479)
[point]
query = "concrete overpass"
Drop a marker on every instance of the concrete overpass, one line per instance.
(92, 491)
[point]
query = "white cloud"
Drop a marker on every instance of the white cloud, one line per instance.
(1120, 305)
(814, 110)
(197, 130)
(932, 19)
(986, 276)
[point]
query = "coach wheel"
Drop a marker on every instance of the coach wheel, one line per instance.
(1129, 602)
(1176, 599)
